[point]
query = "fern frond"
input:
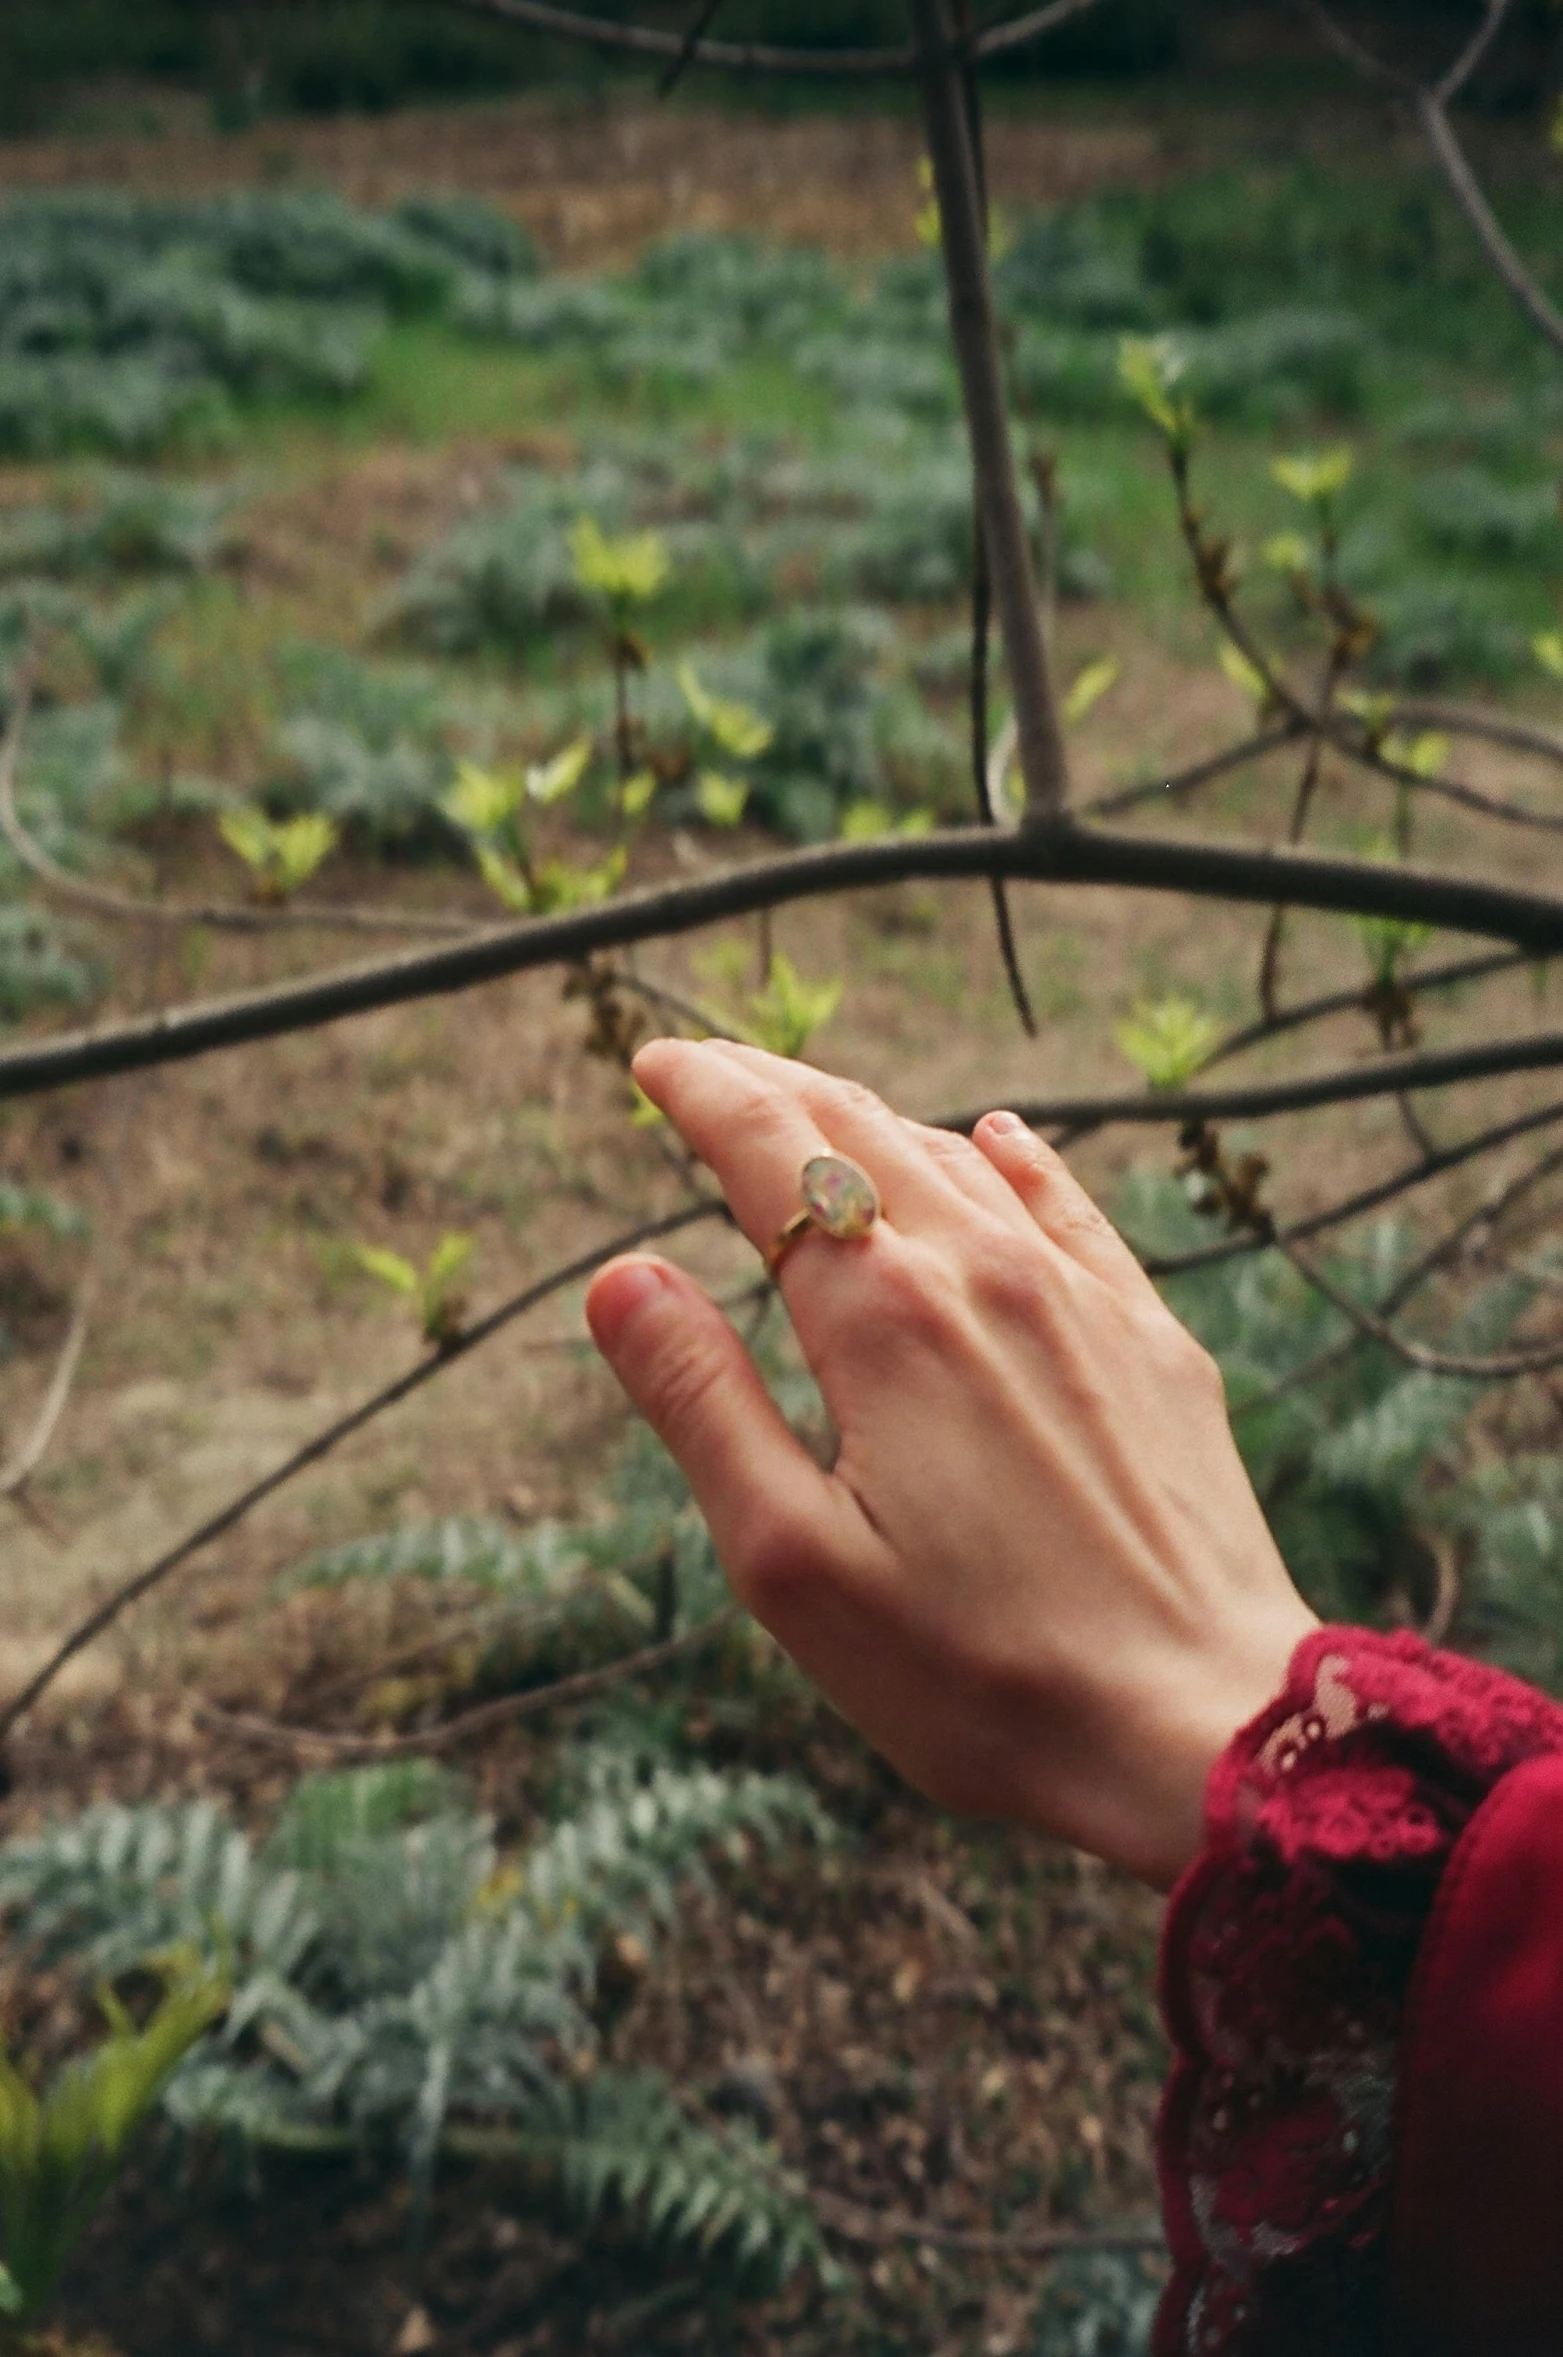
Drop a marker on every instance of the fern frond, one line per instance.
(622, 2147)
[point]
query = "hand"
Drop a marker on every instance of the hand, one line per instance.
(1036, 1577)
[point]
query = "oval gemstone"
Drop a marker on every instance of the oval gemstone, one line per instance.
(839, 1197)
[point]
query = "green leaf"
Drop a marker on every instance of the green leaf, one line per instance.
(247, 831)
(635, 795)
(788, 1011)
(559, 777)
(389, 1268)
(1547, 647)
(505, 880)
(1150, 369)
(557, 885)
(301, 844)
(1425, 756)
(1090, 686)
(1287, 552)
(1244, 675)
(627, 571)
(864, 822)
(737, 728)
(448, 1259)
(1168, 1041)
(1315, 477)
(280, 856)
(481, 800)
(720, 799)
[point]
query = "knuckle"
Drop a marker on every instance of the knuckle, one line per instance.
(776, 1562)
(915, 1301)
(1007, 1281)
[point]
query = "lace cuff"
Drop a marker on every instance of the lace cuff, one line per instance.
(1286, 1961)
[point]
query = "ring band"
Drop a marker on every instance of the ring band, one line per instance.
(839, 1198)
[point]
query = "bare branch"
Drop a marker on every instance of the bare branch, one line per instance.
(1003, 40)
(1337, 1084)
(1057, 853)
(699, 25)
(855, 2222)
(1450, 157)
(759, 57)
(1430, 104)
(1493, 728)
(974, 329)
(221, 916)
(1344, 1002)
(1353, 1207)
(505, 1711)
(433, 1364)
(1185, 781)
(20, 1468)
(1503, 1366)
(740, 57)
(1449, 85)
(1412, 1280)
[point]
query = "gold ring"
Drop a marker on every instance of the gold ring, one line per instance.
(839, 1199)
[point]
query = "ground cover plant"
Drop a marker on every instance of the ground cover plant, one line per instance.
(452, 1769)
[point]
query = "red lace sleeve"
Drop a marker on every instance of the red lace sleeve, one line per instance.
(1286, 1964)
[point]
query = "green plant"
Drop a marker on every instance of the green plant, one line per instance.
(281, 854)
(1168, 1040)
(436, 1291)
(60, 2151)
(401, 1986)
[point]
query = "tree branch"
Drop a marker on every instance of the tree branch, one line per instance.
(221, 916)
(974, 329)
(1468, 194)
(1056, 853)
(1337, 1084)
(759, 57)
(504, 1711)
(1504, 1366)
(1411, 1281)
(1352, 1207)
(434, 1363)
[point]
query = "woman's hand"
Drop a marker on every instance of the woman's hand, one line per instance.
(1036, 1578)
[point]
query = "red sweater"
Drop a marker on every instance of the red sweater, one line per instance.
(1362, 2139)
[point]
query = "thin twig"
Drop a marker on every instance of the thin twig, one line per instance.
(759, 57)
(1468, 194)
(855, 2222)
(221, 916)
(1504, 1366)
(700, 24)
(1342, 1002)
(1264, 741)
(1409, 1283)
(1346, 1209)
(272, 1735)
(20, 1468)
(433, 1364)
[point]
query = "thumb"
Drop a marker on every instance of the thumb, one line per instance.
(772, 1513)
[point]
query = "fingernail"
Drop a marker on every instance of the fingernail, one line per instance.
(619, 1295)
(1008, 1125)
